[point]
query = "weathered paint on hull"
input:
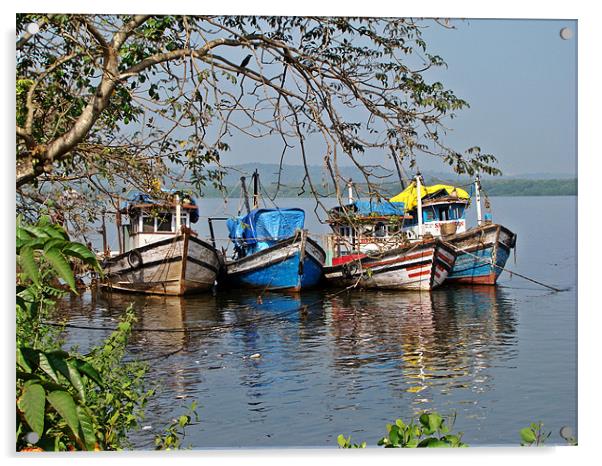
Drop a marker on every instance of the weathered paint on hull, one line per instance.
(420, 267)
(178, 266)
(279, 268)
(482, 254)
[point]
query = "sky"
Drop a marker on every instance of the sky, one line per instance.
(519, 77)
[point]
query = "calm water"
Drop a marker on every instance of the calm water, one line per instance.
(499, 357)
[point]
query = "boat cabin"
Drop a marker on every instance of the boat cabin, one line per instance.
(440, 211)
(152, 220)
(441, 216)
(364, 227)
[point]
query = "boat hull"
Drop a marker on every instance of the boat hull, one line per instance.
(419, 267)
(482, 254)
(290, 265)
(176, 266)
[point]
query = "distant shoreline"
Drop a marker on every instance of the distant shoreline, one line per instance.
(492, 188)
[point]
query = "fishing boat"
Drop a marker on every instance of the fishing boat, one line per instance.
(370, 249)
(159, 252)
(482, 250)
(272, 250)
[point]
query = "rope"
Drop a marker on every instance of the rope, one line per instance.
(490, 262)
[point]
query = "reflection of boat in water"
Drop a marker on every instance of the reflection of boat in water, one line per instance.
(444, 339)
(160, 254)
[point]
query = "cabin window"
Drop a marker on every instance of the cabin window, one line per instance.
(429, 215)
(148, 223)
(380, 230)
(345, 231)
(164, 222)
(443, 214)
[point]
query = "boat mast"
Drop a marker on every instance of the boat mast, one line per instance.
(256, 189)
(477, 189)
(419, 203)
(178, 214)
(400, 173)
(245, 193)
(350, 191)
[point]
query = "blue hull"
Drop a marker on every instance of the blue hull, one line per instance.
(478, 270)
(271, 274)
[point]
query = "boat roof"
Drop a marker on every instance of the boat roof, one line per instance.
(140, 201)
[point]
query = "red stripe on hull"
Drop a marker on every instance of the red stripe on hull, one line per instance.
(418, 274)
(480, 280)
(425, 256)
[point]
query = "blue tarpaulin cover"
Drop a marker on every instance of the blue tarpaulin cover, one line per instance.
(382, 207)
(262, 228)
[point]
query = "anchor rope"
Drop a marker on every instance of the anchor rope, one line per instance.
(490, 262)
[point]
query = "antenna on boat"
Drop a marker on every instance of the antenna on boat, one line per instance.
(419, 202)
(255, 189)
(245, 193)
(477, 190)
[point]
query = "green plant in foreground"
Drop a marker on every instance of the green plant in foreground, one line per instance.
(534, 435)
(431, 431)
(66, 401)
(176, 431)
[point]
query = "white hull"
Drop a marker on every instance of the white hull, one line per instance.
(418, 267)
(176, 266)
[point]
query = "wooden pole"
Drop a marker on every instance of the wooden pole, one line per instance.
(419, 201)
(256, 190)
(477, 188)
(245, 194)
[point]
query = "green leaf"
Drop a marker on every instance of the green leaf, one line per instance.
(21, 361)
(46, 366)
(87, 369)
(433, 443)
(527, 435)
(64, 404)
(81, 252)
(61, 266)
(32, 403)
(87, 428)
(28, 263)
(76, 380)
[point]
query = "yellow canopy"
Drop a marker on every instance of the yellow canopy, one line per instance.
(409, 198)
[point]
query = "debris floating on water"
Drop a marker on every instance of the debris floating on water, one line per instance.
(255, 356)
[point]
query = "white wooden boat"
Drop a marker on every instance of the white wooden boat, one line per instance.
(420, 266)
(369, 249)
(163, 255)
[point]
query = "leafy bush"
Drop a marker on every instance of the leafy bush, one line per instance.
(67, 401)
(431, 431)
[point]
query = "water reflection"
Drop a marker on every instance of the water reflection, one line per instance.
(444, 340)
(263, 360)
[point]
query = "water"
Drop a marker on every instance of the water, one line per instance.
(498, 357)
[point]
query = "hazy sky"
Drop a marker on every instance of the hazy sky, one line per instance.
(519, 77)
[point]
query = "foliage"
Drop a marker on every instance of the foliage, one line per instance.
(534, 435)
(44, 255)
(67, 401)
(174, 434)
(431, 431)
(107, 103)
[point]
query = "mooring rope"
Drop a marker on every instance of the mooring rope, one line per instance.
(490, 262)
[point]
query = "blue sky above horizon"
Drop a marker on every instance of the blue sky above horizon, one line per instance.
(520, 79)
